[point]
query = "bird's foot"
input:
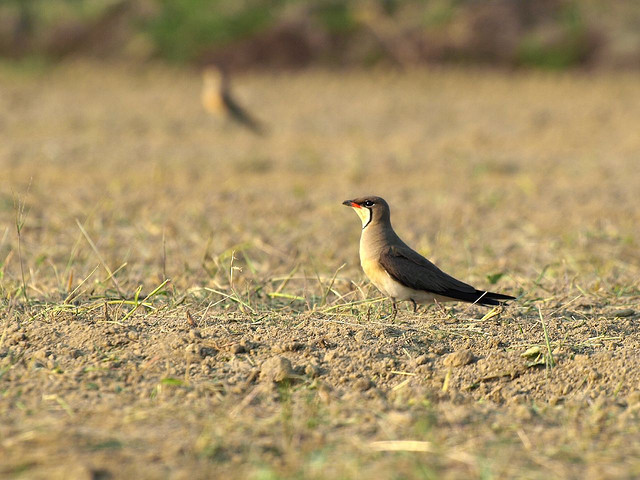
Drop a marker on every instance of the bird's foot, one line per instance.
(442, 309)
(394, 312)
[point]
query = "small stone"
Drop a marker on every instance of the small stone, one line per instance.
(439, 350)
(361, 336)
(208, 352)
(292, 346)
(329, 356)
(276, 369)
(131, 335)
(581, 359)
(421, 359)
(238, 348)
(362, 384)
(554, 400)
(40, 355)
(459, 358)
(627, 312)
(634, 398)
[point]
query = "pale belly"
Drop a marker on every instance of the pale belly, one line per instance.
(212, 101)
(394, 289)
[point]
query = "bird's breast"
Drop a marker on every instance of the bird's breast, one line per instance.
(212, 101)
(380, 278)
(374, 271)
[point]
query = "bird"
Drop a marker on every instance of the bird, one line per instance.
(218, 100)
(399, 272)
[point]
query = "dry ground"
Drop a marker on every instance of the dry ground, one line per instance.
(267, 355)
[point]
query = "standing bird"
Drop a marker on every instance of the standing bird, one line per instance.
(402, 273)
(217, 100)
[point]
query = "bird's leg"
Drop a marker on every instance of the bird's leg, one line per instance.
(415, 305)
(394, 306)
(441, 308)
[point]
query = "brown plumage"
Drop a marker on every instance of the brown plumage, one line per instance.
(402, 273)
(218, 100)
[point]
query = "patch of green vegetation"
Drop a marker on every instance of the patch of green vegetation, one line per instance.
(183, 29)
(171, 381)
(439, 13)
(567, 50)
(336, 17)
(21, 468)
(111, 444)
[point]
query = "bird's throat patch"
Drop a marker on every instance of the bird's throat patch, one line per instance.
(365, 215)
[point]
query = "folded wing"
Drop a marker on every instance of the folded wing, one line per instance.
(413, 270)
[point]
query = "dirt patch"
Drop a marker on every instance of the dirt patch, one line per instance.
(383, 380)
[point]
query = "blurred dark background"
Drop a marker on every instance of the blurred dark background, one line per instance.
(551, 34)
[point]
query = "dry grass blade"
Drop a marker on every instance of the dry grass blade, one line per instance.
(72, 293)
(417, 446)
(354, 304)
(100, 259)
(402, 446)
(551, 362)
(286, 280)
(233, 297)
(20, 220)
(330, 286)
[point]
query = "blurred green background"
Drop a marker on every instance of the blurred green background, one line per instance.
(551, 34)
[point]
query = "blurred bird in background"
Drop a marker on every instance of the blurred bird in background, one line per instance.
(218, 100)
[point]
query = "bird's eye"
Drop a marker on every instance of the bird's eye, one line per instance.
(368, 203)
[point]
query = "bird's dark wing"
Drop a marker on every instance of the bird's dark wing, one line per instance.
(240, 115)
(413, 270)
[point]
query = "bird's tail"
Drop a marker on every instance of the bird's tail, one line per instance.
(492, 298)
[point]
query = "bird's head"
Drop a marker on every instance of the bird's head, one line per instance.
(369, 209)
(213, 76)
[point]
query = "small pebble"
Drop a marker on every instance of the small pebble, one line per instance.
(362, 384)
(276, 369)
(459, 358)
(421, 359)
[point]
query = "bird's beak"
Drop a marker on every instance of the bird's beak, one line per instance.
(350, 203)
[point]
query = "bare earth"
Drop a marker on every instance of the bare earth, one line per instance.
(267, 355)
